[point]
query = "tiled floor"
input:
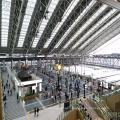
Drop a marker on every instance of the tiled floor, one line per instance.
(43, 103)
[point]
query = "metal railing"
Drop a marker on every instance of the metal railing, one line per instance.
(101, 110)
(74, 106)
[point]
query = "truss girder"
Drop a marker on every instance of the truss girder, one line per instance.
(17, 13)
(88, 27)
(93, 32)
(72, 17)
(56, 17)
(113, 63)
(37, 17)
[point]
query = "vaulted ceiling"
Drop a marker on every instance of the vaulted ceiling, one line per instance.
(56, 26)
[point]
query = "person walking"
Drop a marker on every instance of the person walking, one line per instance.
(4, 104)
(34, 111)
(11, 92)
(9, 86)
(8, 92)
(37, 111)
(17, 96)
(55, 98)
(59, 102)
(4, 87)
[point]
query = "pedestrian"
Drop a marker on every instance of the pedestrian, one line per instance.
(34, 111)
(4, 87)
(11, 91)
(44, 94)
(4, 104)
(9, 86)
(17, 96)
(8, 92)
(55, 97)
(37, 111)
(59, 102)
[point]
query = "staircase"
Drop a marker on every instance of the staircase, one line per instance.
(90, 109)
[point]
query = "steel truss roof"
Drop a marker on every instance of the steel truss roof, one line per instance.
(56, 26)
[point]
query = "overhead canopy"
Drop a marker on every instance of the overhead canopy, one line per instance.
(24, 76)
(47, 27)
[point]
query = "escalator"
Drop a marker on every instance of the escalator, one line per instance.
(101, 109)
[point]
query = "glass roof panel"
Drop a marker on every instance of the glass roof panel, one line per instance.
(85, 25)
(66, 14)
(51, 8)
(26, 21)
(103, 28)
(6, 6)
(75, 23)
(94, 27)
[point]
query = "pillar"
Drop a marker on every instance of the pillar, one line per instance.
(38, 63)
(3, 65)
(12, 64)
(19, 66)
(33, 63)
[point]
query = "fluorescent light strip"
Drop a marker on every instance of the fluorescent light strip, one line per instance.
(76, 22)
(66, 14)
(51, 9)
(26, 21)
(6, 7)
(102, 29)
(88, 23)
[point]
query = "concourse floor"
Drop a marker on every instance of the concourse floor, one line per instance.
(41, 102)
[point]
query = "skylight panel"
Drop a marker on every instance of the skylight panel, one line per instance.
(103, 28)
(75, 23)
(51, 8)
(99, 11)
(66, 14)
(6, 6)
(94, 27)
(26, 21)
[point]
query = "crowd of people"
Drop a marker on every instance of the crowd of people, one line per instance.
(6, 87)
